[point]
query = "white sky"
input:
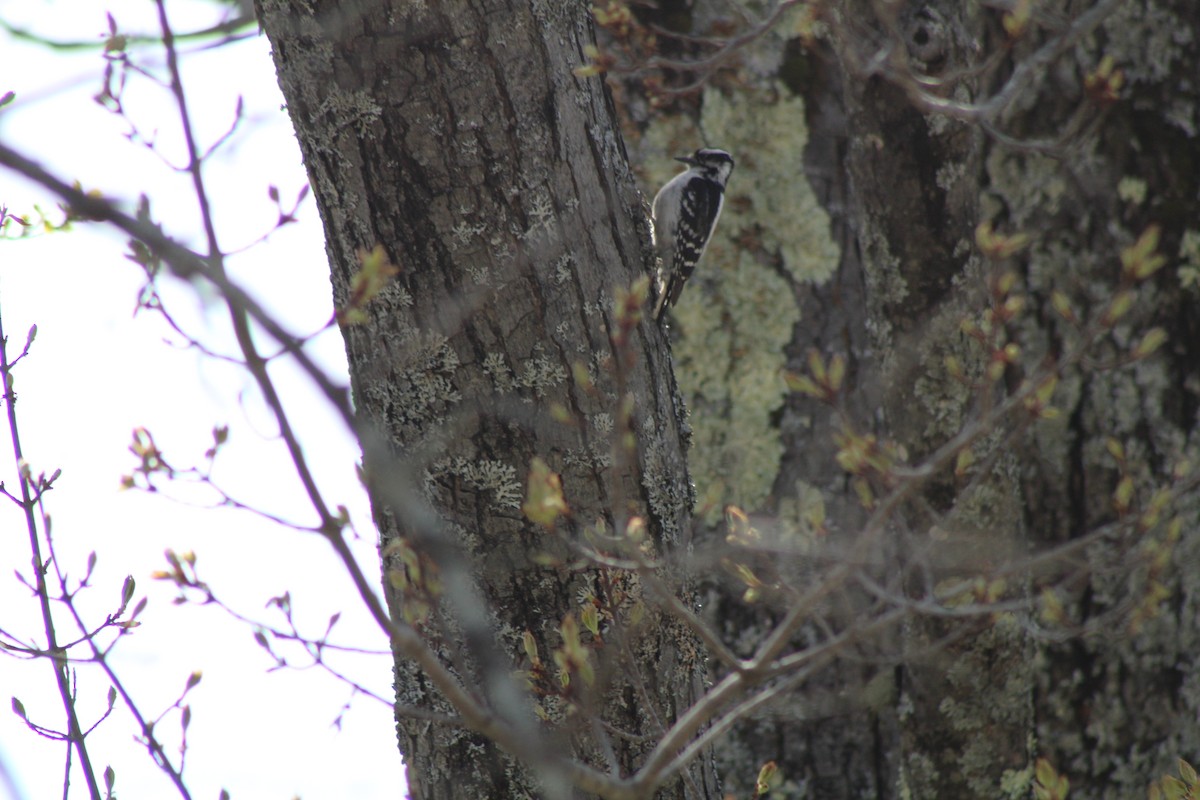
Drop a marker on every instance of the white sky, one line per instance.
(95, 372)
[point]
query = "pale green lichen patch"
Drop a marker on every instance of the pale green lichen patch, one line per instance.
(1036, 180)
(885, 283)
(801, 517)
(1132, 190)
(1015, 783)
(729, 357)
(945, 400)
(983, 697)
(540, 373)
(1146, 39)
(1189, 254)
(420, 390)
(495, 478)
(783, 209)
(664, 492)
(358, 109)
(737, 314)
(497, 369)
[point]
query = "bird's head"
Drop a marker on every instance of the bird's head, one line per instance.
(716, 164)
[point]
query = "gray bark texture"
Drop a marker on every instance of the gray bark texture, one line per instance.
(871, 145)
(455, 136)
(961, 708)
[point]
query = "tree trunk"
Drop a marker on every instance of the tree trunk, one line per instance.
(454, 135)
(919, 122)
(497, 182)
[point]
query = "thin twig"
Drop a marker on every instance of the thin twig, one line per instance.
(75, 736)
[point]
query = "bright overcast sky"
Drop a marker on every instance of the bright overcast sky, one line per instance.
(95, 372)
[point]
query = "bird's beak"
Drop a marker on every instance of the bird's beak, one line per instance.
(686, 160)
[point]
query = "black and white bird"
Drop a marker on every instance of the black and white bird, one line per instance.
(685, 215)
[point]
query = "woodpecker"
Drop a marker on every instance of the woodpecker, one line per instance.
(686, 210)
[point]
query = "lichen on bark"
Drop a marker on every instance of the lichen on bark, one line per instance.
(737, 314)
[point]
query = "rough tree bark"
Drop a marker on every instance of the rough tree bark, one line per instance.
(906, 182)
(454, 135)
(458, 139)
